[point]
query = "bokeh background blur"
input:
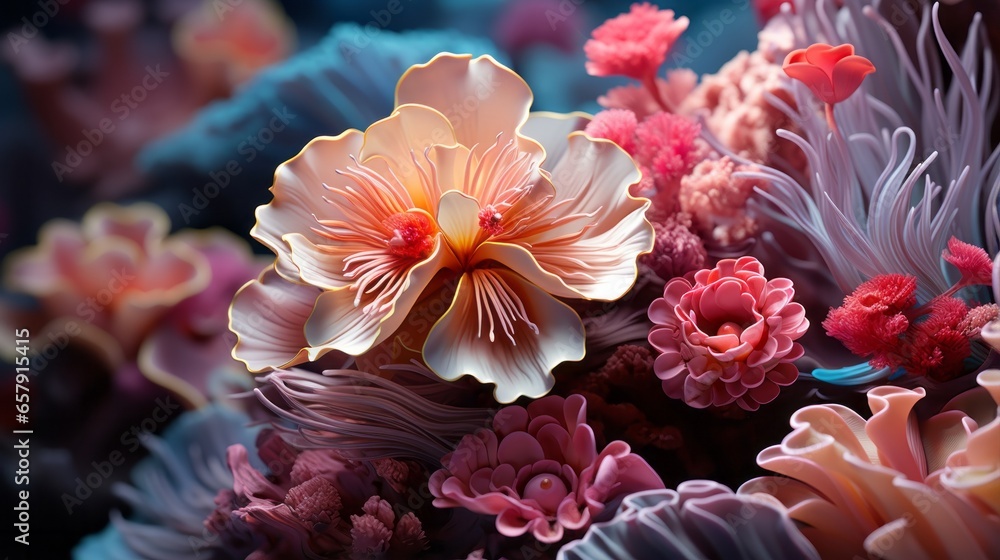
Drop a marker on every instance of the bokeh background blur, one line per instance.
(190, 105)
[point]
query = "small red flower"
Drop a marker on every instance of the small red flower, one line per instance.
(832, 73)
(973, 262)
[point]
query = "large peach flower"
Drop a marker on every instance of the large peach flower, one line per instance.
(458, 187)
(892, 486)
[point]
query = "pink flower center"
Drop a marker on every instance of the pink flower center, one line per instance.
(412, 235)
(546, 489)
(730, 327)
(489, 220)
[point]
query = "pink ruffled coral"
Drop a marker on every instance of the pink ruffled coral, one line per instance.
(538, 470)
(893, 486)
(633, 44)
(717, 201)
(728, 337)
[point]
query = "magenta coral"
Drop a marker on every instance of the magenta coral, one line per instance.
(728, 337)
(538, 470)
(677, 250)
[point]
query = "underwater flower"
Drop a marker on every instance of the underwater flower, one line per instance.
(223, 46)
(144, 300)
(538, 470)
(893, 486)
(634, 44)
(450, 188)
(831, 73)
(117, 271)
(701, 519)
(728, 337)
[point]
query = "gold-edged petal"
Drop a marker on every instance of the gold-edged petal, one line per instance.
(268, 316)
(593, 230)
(460, 342)
(342, 321)
(481, 97)
(400, 141)
(458, 218)
(299, 193)
(551, 129)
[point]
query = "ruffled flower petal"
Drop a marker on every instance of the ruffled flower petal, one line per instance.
(481, 98)
(501, 329)
(268, 316)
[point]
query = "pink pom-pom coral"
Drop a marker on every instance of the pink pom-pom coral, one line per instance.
(633, 44)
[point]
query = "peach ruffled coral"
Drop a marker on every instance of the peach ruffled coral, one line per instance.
(117, 271)
(117, 283)
(735, 104)
(224, 45)
(893, 486)
(457, 188)
(538, 470)
(727, 337)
